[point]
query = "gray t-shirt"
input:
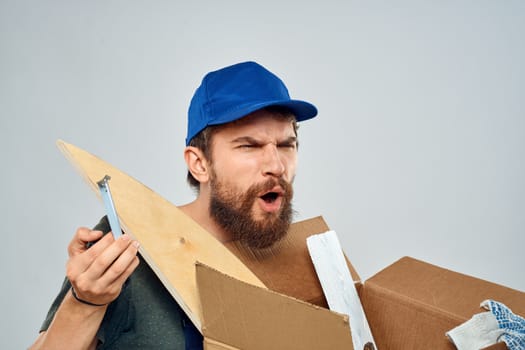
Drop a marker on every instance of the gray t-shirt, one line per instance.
(144, 316)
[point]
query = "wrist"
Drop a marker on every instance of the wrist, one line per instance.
(85, 302)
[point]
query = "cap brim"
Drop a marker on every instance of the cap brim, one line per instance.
(301, 109)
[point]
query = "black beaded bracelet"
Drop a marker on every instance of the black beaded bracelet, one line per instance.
(83, 301)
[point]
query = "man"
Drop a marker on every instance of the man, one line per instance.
(241, 153)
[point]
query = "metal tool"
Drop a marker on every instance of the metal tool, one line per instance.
(114, 223)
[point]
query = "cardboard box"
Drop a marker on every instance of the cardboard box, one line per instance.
(291, 315)
(409, 305)
(287, 268)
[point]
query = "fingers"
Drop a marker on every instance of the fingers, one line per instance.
(101, 283)
(121, 278)
(113, 260)
(82, 258)
(98, 273)
(82, 237)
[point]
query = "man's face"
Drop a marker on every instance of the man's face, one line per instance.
(253, 165)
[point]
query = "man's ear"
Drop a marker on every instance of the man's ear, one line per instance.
(197, 164)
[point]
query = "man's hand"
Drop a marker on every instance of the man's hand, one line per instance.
(98, 273)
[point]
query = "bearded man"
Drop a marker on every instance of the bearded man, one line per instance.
(241, 154)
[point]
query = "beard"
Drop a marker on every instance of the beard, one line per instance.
(232, 210)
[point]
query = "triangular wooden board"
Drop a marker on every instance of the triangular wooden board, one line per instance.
(171, 242)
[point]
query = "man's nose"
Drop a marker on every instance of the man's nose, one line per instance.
(273, 164)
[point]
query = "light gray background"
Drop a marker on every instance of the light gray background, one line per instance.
(418, 148)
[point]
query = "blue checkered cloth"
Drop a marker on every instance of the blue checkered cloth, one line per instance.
(513, 326)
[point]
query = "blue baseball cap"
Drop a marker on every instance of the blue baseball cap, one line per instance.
(233, 92)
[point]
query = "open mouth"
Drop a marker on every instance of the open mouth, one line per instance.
(270, 197)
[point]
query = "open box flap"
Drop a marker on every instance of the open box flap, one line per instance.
(248, 317)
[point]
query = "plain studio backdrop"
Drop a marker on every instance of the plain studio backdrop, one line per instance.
(418, 149)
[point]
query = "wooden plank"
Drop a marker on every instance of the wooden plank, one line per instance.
(171, 242)
(338, 286)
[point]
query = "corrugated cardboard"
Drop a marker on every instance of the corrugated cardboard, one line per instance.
(243, 316)
(411, 304)
(497, 346)
(286, 268)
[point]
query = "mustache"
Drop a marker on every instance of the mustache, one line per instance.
(269, 185)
